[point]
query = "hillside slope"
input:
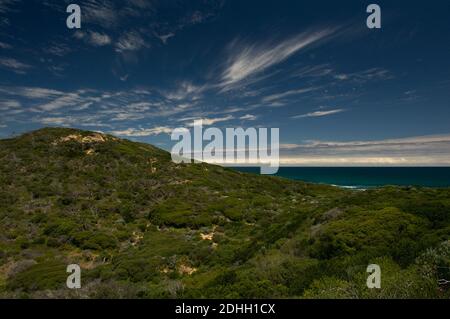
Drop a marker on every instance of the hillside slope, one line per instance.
(141, 226)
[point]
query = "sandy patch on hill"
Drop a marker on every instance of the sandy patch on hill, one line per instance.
(209, 236)
(186, 270)
(93, 138)
(136, 239)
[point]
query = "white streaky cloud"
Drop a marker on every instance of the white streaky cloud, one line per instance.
(279, 96)
(287, 146)
(5, 46)
(101, 106)
(185, 90)
(140, 106)
(9, 104)
(49, 100)
(342, 77)
(79, 35)
(59, 120)
(99, 39)
(217, 112)
(127, 117)
(341, 161)
(249, 60)
(165, 37)
(68, 99)
(83, 120)
(365, 76)
(210, 121)
(38, 93)
(420, 150)
(185, 105)
(395, 143)
(140, 132)
(130, 41)
(102, 13)
(318, 113)
(277, 104)
(30, 92)
(58, 49)
(15, 111)
(55, 121)
(93, 38)
(83, 106)
(187, 119)
(313, 71)
(248, 117)
(14, 65)
(57, 69)
(197, 17)
(364, 161)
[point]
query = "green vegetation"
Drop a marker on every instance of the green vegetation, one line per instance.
(141, 226)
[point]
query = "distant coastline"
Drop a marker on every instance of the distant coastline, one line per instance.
(365, 177)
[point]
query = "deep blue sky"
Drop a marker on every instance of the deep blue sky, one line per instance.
(340, 93)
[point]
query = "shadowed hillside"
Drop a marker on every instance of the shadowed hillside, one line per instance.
(142, 226)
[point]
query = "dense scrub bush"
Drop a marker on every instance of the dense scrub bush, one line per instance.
(42, 276)
(94, 240)
(145, 227)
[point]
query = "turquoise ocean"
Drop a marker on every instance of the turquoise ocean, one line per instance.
(365, 177)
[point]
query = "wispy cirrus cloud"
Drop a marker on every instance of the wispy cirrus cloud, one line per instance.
(279, 96)
(418, 150)
(319, 113)
(103, 13)
(47, 100)
(142, 132)
(313, 71)
(94, 38)
(131, 41)
(249, 60)
(30, 92)
(6, 105)
(58, 49)
(4, 45)
(376, 145)
(118, 110)
(99, 39)
(69, 121)
(67, 99)
(14, 65)
(165, 37)
(365, 75)
(248, 117)
(210, 121)
(184, 91)
(64, 121)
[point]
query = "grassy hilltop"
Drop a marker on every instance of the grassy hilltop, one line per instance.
(141, 226)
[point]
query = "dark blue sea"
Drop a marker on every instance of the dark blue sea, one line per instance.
(365, 177)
